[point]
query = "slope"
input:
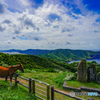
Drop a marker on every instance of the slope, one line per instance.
(68, 55)
(34, 62)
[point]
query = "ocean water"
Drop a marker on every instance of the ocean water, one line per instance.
(97, 60)
(11, 52)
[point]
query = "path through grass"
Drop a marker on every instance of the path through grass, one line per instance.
(56, 79)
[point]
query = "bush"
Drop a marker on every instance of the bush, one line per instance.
(60, 79)
(19, 72)
(51, 70)
(31, 97)
(70, 77)
(35, 77)
(3, 64)
(97, 70)
(27, 70)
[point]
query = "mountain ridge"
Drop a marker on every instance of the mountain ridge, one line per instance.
(60, 54)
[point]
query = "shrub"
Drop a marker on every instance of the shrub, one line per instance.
(35, 77)
(27, 70)
(97, 70)
(70, 77)
(51, 70)
(19, 72)
(31, 97)
(60, 79)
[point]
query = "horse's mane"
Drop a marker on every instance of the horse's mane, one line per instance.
(8, 66)
(13, 66)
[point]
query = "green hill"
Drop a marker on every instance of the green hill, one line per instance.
(34, 62)
(59, 54)
(68, 55)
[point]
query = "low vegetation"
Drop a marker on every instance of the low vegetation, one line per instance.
(57, 80)
(78, 84)
(34, 62)
(47, 70)
(14, 93)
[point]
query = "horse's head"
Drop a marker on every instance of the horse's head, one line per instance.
(21, 68)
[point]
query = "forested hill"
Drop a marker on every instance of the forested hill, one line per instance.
(37, 63)
(68, 55)
(60, 54)
(34, 62)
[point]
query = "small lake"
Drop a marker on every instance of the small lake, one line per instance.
(97, 60)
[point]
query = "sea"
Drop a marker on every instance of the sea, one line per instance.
(97, 60)
(11, 52)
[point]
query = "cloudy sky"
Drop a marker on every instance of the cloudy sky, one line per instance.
(50, 24)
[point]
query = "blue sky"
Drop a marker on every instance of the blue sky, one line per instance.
(50, 24)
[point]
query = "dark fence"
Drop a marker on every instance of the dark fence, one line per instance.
(54, 90)
(17, 82)
(33, 87)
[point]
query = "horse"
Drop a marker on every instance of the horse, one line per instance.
(10, 70)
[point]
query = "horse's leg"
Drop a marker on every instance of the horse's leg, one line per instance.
(11, 81)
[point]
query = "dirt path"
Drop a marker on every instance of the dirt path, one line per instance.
(24, 81)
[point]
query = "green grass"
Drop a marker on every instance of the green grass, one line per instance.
(51, 78)
(50, 71)
(56, 79)
(21, 93)
(78, 84)
(14, 93)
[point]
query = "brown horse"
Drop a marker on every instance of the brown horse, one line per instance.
(10, 70)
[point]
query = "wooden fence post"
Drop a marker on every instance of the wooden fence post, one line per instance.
(47, 91)
(33, 86)
(6, 78)
(29, 85)
(52, 92)
(16, 79)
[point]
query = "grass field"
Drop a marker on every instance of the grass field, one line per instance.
(50, 71)
(50, 78)
(14, 93)
(56, 79)
(78, 84)
(21, 93)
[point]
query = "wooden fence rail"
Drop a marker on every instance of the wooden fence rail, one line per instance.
(32, 88)
(54, 90)
(16, 81)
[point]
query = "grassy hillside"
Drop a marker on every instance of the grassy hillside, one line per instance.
(42, 69)
(57, 80)
(68, 55)
(59, 54)
(39, 63)
(34, 62)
